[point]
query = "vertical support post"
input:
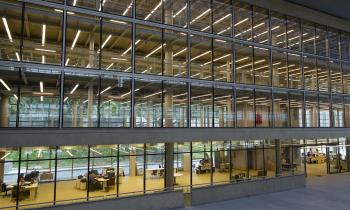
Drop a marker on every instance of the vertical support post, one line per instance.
(278, 157)
(169, 166)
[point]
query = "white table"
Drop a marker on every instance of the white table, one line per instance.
(33, 189)
(103, 181)
(176, 175)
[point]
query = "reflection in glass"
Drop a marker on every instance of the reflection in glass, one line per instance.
(201, 106)
(263, 108)
(8, 96)
(311, 110)
(223, 107)
(245, 108)
(201, 57)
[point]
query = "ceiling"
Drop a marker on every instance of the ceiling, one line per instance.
(338, 8)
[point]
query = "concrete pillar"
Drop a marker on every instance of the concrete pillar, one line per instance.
(221, 117)
(169, 165)
(229, 113)
(90, 105)
(2, 166)
(278, 157)
(132, 163)
(4, 111)
(314, 116)
(277, 112)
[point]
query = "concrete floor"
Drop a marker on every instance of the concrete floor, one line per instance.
(322, 193)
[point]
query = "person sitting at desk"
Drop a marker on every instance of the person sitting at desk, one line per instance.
(93, 183)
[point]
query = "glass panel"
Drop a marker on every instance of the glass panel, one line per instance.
(201, 106)
(298, 156)
(261, 66)
(281, 109)
(256, 161)
(175, 13)
(148, 50)
(296, 109)
(182, 165)
(345, 46)
(120, 7)
(131, 169)
(201, 164)
(279, 68)
(222, 17)
(336, 76)
(80, 100)
(10, 30)
(320, 40)
(175, 53)
(116, 45)
(150, 10)
(82, 41)
(8, 96)
(245, 108)
(343, 155)
(201, 57)
(200, 11)
(40, 96)
(115, 105)
(322, 74)
(278, 30)
(89, 4)
(155, 171)
(222, 58)
(287, 155)
(333, 43)
(293, 33)
(325, 118)
(239, 161)
(338, 111)
(244, 64)
(308, 37)
(263, 108)
(221, 162)
(260, 25)
(347, 111)
(294, 71)
(310, 73)
(43, 36)
(175, 104)
(148, 103)
(311, 110)
(243, 21)
(270, 158)
(346, 77)
(223, 107)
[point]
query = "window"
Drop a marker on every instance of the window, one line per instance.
(149, 10)
(338, 111)
(346, 77)
(82, 41)
(310, 73)
(263, 108)
(116, 46)
(296, 109)
(201, 57)
(200, 11)
(244, 64)
(42, 41)
(89, 4)
(293, 33)
(201, 105)
(347, 111)
(281, 109)
(243, 21)
(222, 17)
(320, 40)
(345, 46)
(335, 76)
(9, 95)
(222, 59)
(261, 66)
(223, 107)
(148, 50)
(322, 74)
(120, 7)
(308, 37)
(202, 162)
(294, 71)
(333, 43)
(279, 69)
(175, 13)
(260, 25)
(10, 30)
(40, 96)
(325, 115)
(278, 30)
(245, 108)
(311, 110)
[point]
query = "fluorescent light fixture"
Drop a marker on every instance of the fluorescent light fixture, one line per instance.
(41, 86)
(154, 51)
(107, 101)
(109, 87)
(119, 59)
(14, 95)
(274, 28)
(43, 59)
(181, 51)
(41, 98)
(222, 57)
(260, 24)
(118, 21)
(7, 29)
(181, 10)
(45, 50)
(126, 51)
(242, 59)
(153, 10)
(74, 3)
(110, 66)
(128, 8)
(198, 56)
(69, 153)
(153, 94)
(199, 16)
(65, 99)
(95, 151)
(221, 19)
(228, 28)
(43, 35)
(67, 61)
(5, 85)
(74, 89)
(127, 69)
(85, 101)
(7, 154)
(75, 39)
(105, 42)
(17, 56)
(242, 21)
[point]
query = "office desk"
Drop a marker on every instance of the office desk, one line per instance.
(32, 188)
(176, 175)
(104, 183)
(149, 171)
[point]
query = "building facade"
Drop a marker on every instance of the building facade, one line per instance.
(105, 99)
